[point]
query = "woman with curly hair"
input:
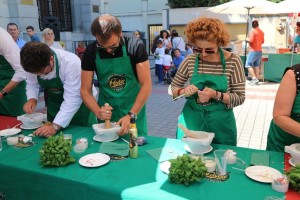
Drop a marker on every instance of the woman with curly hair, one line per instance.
(216, 82)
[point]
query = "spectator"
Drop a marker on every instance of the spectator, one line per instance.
(167, 63)
(178, 43)
(216, 82)
(48, 38)
(177, 60)
(80, 49)
(123, 70)
(285, 127)
(158, 54)
(33, 36)
(12, 77)
(189, 49)
(137, 34)
(13, 30)
(165, 38)
(59, 72)
(256, 39)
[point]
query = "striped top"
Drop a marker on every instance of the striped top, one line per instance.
(234, 73)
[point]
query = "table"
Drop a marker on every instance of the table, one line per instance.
(273, 69)
(22, 176)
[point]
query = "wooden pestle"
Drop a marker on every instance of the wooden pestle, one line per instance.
(187, 132)
(107, 121)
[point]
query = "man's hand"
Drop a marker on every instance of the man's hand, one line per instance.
(45, 131)
(29, 106)
(124, 122)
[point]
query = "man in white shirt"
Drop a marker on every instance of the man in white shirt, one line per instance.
(12, 76)
(60, 73)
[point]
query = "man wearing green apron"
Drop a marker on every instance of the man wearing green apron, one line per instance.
(12, 77)
(58, 71)
(284, 128)
(123, 71)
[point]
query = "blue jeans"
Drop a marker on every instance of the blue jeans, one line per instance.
(160, 72)
(253, 59)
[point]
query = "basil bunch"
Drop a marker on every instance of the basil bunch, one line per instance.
(186, 170)
(55, 151)
(294, 177)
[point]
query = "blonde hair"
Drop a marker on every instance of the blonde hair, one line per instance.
(45, 31)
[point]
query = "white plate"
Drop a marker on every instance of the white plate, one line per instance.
(94, 160)
(30, 128)
(291, 161)
(187, 148)
(165, 166)
(97, 139)
(10, 131)
(262, 173)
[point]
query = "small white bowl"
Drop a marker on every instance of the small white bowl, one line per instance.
(106, 133)
(33, 120)
(199, 145)
(294, 150)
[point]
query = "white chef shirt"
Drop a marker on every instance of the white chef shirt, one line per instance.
(11, 52)
(70, 75)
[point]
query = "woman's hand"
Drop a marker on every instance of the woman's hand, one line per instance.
(206, 94)
(190, 90)
(124, 122)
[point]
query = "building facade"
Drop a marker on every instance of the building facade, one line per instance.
(74, 18)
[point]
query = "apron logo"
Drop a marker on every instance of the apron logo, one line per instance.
(117, 82)
(55, 90)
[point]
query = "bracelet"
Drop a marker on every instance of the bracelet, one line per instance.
(222, 96)
(179, 90)
(216, 94)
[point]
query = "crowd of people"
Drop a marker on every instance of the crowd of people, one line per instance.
(211, 79)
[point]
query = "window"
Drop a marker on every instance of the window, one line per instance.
(56, 11)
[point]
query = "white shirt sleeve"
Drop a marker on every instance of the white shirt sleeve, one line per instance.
(11, 52)
(70, 75)
(32, 87)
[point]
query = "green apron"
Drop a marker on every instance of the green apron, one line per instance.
(12, 104)
(55, 90)
(278, 138)
(211, 118)
(119, 87)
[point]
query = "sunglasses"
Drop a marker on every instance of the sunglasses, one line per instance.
(206, 50)
(49, 33)
(114, 47)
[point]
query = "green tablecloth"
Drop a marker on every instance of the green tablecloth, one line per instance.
(23, 177)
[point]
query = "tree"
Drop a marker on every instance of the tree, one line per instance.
(200, 3)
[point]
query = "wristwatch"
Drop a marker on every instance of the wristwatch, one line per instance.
(3, 93)
(55, 127)
(132, 115)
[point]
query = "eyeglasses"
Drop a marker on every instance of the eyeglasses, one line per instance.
(112, 48)
(49, 33)
(206, 50)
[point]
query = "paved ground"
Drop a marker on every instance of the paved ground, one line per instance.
(253, 117)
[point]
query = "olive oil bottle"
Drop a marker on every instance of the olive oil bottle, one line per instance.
(133, 134)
